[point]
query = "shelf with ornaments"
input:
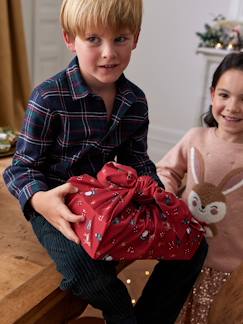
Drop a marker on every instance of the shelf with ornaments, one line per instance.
(216, 51)
(222, 36)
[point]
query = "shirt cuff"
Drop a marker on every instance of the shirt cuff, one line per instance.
(27, 192)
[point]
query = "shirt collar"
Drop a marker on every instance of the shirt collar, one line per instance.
(77, 84)
(79, 88)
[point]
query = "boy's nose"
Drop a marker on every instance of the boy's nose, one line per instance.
(108, 51)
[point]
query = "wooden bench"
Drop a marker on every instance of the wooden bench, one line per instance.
(29, 282)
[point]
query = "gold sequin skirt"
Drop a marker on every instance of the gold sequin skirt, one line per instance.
(196, 308)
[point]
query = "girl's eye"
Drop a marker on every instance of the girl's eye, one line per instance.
(223, 95)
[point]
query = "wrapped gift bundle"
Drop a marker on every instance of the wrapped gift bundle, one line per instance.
(130, 217)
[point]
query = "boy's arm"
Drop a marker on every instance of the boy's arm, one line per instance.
(25, 176)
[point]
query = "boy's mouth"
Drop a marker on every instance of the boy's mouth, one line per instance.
(108, 66)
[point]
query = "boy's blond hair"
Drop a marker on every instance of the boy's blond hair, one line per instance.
(77, 16)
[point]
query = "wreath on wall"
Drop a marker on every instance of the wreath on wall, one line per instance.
(223, 33)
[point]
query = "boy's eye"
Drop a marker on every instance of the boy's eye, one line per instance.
(120, 39)
(93, 39)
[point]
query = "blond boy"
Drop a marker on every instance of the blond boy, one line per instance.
(75, 122)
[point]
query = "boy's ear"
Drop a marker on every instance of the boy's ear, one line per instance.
(69, 41)
(136, 40)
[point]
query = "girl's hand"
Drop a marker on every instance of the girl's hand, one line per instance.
(50, 204)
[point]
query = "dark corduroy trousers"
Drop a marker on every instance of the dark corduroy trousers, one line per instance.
(96, 281)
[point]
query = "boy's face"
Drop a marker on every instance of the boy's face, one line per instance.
(102, 55)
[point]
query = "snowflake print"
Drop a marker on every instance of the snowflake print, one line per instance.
(87, 239)
(89, 224)
(116, 220)
(98, 236)
(90, 193)
(144, 235)
(107, 258)
(130, 249)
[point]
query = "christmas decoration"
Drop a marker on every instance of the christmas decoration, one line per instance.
(225, 34)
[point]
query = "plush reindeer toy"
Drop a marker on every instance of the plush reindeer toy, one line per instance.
(207, 201)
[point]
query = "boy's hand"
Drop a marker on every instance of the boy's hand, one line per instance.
(50, 204)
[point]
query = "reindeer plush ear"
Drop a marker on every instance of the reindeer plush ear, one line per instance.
(232, 181)
(197, 165)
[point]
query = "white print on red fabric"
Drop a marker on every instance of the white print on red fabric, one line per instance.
(129, 217)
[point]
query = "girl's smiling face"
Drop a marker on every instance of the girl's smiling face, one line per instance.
(227, 106)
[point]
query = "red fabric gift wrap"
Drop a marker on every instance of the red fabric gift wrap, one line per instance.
(130, 217)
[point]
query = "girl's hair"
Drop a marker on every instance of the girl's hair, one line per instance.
(231, 61)
(77, 16)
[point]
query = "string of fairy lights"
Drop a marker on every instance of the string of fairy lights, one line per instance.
(129, 282)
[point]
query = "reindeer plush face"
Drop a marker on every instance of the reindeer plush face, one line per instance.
(206, 208)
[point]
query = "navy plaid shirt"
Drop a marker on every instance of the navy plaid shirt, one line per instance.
(66, 133)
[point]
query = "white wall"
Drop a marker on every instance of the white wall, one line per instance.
(166, 66)
(165, 63)
(47, 51)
